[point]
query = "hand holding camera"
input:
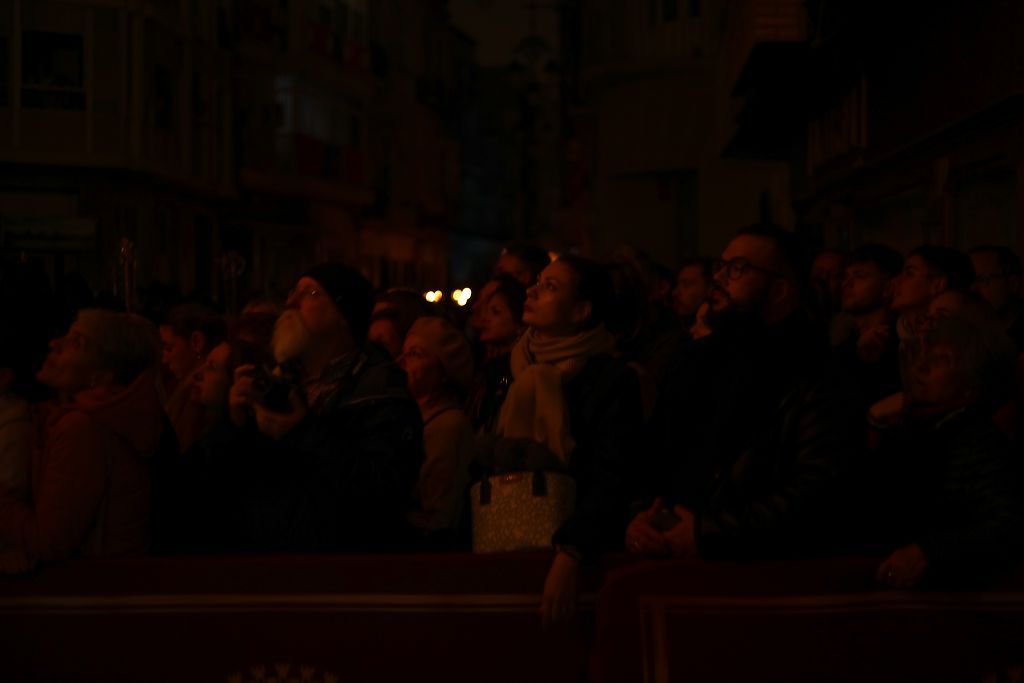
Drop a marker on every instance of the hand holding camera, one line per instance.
(272, 398)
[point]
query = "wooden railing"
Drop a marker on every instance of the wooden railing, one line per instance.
(460, 617)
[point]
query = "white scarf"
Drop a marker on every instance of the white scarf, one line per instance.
(535, 407)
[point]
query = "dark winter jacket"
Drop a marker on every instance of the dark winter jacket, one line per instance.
(342, 479)
(754, 434)
(951, 484)
(606, 418)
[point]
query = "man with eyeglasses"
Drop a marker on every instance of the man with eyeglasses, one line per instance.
(332, 465)
(997, 279)
(752, 436)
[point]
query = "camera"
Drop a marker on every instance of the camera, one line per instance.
(272, 391)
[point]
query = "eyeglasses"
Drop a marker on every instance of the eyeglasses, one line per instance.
(738, 267)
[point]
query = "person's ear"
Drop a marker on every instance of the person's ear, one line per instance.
(197, 342)
(938, 285)
(581, 311)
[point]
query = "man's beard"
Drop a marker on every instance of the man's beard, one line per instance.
(291, 337)
(733, 316)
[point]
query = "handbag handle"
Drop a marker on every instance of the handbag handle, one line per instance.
(539, 487)
(485, 491)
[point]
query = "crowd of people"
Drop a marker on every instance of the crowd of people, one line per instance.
(770, 403)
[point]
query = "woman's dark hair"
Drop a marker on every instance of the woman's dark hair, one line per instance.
(249, 341)
(512, 291)
(593, 284)
(533, 257)
(184, 319)
(402, 307)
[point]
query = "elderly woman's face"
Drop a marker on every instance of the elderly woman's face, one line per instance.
(423, 370)
(73, 362)
(551, 304)
(937, 379)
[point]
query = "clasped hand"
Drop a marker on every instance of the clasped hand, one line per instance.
(680, 540)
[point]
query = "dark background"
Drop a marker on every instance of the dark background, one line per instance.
(234, 142)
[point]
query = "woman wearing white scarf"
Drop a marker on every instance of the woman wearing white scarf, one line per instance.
(563, 371)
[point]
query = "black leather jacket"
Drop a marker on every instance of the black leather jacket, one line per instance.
(952, 485)
(755, 434)
(342, 479)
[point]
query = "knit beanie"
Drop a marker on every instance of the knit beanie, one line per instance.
(449, 345)
(351, 293)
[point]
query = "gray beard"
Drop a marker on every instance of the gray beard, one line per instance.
(291, 337)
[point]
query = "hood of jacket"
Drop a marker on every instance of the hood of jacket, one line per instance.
(133, 413)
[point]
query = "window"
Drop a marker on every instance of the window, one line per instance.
(163, 98)
(340, 33)
(332, 161)
(356, 132)
(670, 10)
(5, 71)
(52, 76)
(198, 96)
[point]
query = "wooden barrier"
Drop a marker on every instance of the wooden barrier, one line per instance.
(460, 617)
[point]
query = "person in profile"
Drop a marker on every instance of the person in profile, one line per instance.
(90, 490)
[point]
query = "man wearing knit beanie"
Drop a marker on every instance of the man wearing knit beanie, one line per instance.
(351, 440)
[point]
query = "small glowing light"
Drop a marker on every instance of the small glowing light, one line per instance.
(462, 296)
(434, 296)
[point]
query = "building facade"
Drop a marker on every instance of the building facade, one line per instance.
(232, 143)
(649, 108)
(900, 123)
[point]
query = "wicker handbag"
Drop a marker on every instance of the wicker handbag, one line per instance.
(520, 510)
